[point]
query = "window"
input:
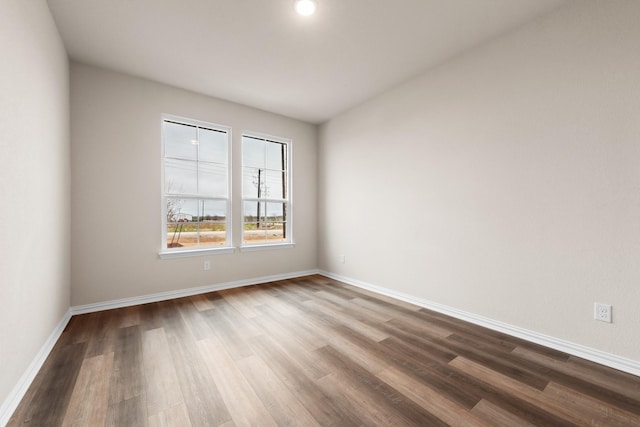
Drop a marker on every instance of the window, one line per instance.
(266, 189)
(196, 203)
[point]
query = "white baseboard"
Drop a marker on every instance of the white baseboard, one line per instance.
(163, 296)
(597, 356)
(15, 396)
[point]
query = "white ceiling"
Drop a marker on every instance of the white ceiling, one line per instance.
(261, 53)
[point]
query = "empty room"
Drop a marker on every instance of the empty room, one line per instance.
(320, 212)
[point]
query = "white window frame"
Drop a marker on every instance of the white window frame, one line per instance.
(288, 225)
(166, 252)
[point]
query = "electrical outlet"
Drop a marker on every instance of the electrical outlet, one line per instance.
(207, 265)
(341, 259)
(602, 312)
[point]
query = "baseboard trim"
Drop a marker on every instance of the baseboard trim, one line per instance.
(15, 396)
(597, 356)
(164, 296)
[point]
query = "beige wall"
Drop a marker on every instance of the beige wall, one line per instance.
(34, 185)
(116, 167)
(505, 183)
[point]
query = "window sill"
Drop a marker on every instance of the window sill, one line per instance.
(251, 248)
(195, 252)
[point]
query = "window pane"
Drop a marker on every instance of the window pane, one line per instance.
(276, 155)
(252, 179)
(275, 212)
(255, 213)
(258, 183)
(254, 222)
(253, 152)
(213, 233)
(182, 234)
(275, 185)
(179, 141)
(275, 233)
(213, 146)
(276, 220)
(252, 235)
(213, 210)
(180, 176)
(212, 227)
(212, 180)
(181, 210)
(182, 226)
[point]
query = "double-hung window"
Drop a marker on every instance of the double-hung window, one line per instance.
(266, 190)
(196, 203)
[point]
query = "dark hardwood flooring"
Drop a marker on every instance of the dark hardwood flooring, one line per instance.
(312, 351)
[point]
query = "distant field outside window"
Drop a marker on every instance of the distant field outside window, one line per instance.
(266, 190)
(196, 184)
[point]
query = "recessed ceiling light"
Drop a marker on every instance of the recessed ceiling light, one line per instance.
(305, 7)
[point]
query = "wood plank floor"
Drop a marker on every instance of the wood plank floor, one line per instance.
(306, 352)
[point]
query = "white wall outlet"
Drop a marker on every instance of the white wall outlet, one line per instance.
(207, 265)
(602, 312)
(341, 258)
